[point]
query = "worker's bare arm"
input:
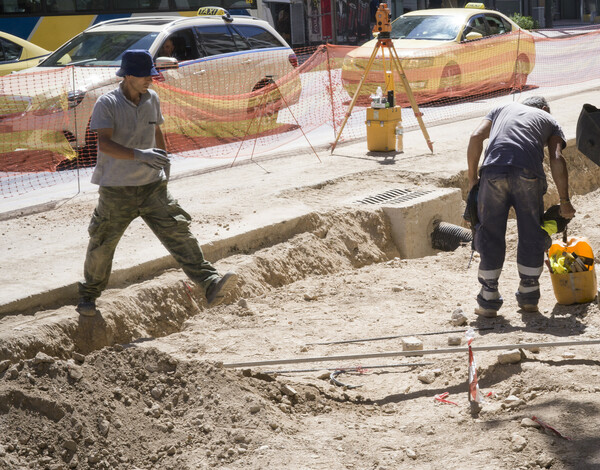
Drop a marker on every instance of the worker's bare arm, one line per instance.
(476, 148)
(560, 175)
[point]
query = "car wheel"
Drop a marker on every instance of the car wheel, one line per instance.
(521, 72)
(265, 102)
(450, 80)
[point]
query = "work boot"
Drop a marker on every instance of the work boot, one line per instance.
(529, 308)
(486, 312)
(86, 307)
(218, 289)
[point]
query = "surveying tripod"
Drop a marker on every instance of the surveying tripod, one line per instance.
(383, 27)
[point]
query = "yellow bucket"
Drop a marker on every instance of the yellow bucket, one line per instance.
(574, 288)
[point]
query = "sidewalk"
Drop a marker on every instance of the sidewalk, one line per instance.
(242, 206)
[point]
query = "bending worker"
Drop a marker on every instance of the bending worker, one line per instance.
(132, 171)
(512, 175)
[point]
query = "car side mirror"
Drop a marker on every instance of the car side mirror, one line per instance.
(163, 63)
(473, 35)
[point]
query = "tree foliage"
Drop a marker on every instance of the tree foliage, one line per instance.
(525, 22)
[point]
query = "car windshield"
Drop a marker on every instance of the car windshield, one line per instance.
(439, 28)
(99, 48)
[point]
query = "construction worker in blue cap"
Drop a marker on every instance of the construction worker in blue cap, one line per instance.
(132, 172)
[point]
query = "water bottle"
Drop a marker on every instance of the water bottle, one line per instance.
(399, 136)
(377, 99)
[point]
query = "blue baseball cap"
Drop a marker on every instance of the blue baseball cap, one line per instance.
(137, 62)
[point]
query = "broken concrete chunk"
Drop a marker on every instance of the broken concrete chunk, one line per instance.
(410, 343)
(289, 391)
(529, 423)
(518, 442)
(510, 357)
(427, 376)
(544, 461)
(41, 358)
(512, 401)
(75, 373)
(454, 340)
(458, 317)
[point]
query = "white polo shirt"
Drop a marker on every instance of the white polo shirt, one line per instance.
(133, 127)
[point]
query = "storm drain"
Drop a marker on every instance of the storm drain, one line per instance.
(394, 196)
(415, 214)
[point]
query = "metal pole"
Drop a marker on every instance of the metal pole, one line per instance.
(362, 80)
(418, 114)
(353, 357)
(351, 369)
(334, 21)
(406, 335)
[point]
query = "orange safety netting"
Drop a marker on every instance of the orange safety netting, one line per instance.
(220, 109)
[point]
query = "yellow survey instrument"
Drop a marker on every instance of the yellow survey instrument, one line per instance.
(383, 28)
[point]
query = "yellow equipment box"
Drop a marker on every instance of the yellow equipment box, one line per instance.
(381, 128)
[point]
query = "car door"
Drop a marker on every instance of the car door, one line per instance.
(269, 56)
(477, 59)
(504, 48)
(190, 72)
(223, 68)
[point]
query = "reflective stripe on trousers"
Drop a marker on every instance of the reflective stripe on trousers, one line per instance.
(500, 189)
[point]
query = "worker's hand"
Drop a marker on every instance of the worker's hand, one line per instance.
(155, 158)
(567, 210)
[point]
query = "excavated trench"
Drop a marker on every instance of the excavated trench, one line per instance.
(402, 223)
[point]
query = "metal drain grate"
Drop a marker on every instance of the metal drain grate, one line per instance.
(393, 196)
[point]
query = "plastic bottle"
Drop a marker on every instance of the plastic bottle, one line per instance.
(377, 100)
(399, 137)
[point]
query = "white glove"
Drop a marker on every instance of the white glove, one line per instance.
(155, 158)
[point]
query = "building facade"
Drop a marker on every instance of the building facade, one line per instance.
(311, 22)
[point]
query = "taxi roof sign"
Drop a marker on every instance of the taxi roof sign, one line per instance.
(212, 11)
(475, 5)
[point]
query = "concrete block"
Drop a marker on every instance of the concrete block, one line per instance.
(413, 220)
(410, 343)
(510, 357)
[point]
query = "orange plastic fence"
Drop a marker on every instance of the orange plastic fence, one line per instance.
(220, 109)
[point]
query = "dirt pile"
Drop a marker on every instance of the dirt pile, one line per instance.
(136, 407)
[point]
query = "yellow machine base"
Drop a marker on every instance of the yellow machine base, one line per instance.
(381, 128)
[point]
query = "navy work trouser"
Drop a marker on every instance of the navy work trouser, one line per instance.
(501, 188)
(117, 207)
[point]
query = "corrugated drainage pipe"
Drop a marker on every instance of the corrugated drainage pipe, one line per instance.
(448, 237)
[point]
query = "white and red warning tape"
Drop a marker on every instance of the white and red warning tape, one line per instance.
(474, 392)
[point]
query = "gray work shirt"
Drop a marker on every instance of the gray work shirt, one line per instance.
(518, 136)
(133, 127)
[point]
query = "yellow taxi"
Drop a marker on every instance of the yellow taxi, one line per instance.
(446, 52)
(18, 54)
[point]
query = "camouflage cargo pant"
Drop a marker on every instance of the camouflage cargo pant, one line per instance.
(117, 207)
